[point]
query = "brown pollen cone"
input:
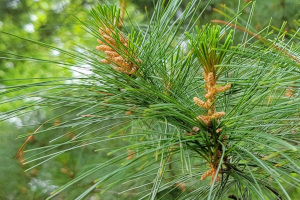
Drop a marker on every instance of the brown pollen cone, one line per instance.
(211, 172)
(109, 46)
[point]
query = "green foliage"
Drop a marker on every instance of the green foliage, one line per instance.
(106, 16)
(140, 133)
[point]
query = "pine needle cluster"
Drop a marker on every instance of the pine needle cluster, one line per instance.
(145, 90)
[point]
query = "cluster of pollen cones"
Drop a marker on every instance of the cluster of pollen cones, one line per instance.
(109, 47)
(211, 95)
(211, 172)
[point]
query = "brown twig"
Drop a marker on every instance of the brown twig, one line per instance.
(20, 151)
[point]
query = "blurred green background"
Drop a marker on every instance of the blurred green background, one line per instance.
(53, 22)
